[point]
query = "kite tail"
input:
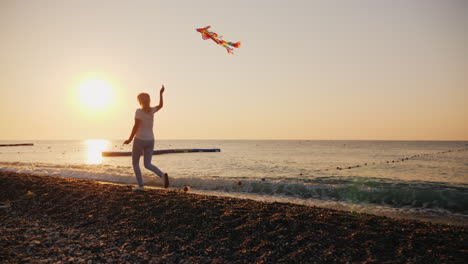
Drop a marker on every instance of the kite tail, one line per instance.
(226, 45)
(235, 45)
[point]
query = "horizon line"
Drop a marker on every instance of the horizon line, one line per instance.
(243, 139)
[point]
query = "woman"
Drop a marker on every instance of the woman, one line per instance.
(144, 138)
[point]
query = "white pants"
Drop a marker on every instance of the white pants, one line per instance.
(146, 148)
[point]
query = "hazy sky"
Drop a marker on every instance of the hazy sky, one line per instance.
(368, 69)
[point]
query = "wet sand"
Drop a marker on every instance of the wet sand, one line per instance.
(54, 219)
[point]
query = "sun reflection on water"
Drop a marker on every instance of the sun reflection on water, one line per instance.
(94, 147)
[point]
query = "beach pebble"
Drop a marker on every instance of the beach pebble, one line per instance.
(4, 205)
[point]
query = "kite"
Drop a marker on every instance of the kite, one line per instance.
(206, 34)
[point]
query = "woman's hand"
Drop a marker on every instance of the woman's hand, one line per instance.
(162, 90)
(127, 141)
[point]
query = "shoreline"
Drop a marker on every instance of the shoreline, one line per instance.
(49, 218)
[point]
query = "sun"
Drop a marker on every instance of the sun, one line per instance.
(95, 94)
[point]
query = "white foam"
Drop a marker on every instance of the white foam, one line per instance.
(94, 172)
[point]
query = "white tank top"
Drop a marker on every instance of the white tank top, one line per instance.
(145, 130)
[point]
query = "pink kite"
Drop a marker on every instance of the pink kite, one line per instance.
(206, 34)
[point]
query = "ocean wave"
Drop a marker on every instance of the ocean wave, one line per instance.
(447, 198)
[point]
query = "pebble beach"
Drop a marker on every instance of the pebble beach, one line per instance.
(48, 219)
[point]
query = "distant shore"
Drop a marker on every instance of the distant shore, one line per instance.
(52, 219)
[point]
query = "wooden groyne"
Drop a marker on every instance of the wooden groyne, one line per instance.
(16, 145)
(157, 152)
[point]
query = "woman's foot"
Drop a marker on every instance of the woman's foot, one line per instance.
(166, 180)
(139, 188)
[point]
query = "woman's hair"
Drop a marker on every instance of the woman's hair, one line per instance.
(144, 100)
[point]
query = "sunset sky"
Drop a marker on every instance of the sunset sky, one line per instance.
(368, 69)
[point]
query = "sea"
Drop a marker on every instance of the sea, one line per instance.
(423, 180)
